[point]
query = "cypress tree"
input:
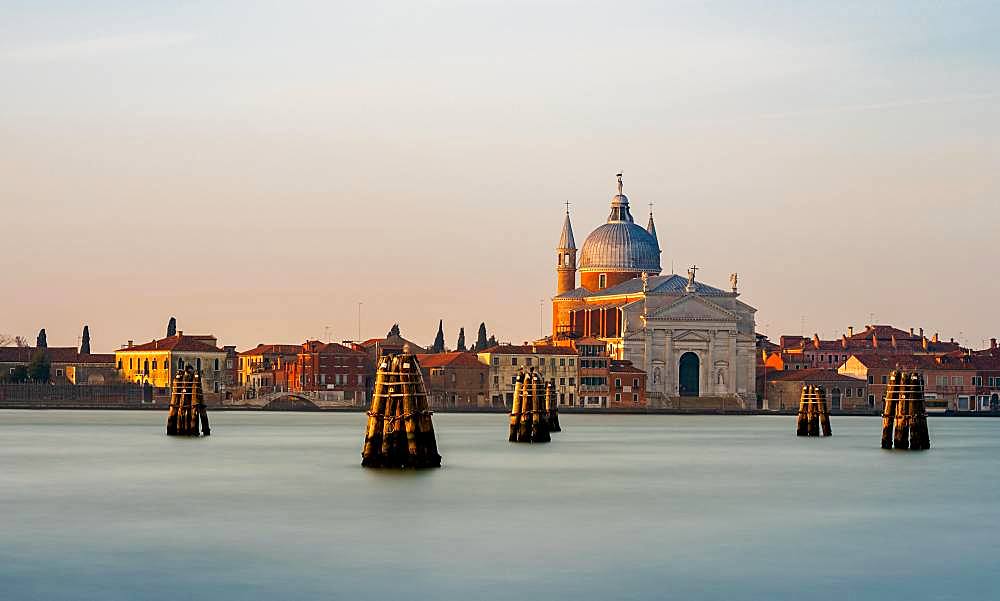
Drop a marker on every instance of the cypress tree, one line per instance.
(85, 343)
(439, 339)
(481, 342)
(40, 368)
(172, 327)
(41, 341)
(460, 347)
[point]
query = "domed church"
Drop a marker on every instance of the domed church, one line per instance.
(695, 342)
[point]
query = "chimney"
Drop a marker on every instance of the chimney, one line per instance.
(850, 331)
(131, 343)
(911, 331)
(953, 341)
(921, 332)
(180, 332)
(993, 344)
(935, 339)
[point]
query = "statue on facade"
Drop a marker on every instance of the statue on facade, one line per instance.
(691, 273)
(734, 279)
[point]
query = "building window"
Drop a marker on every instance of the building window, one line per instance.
(216, 365)
(198, 364)
(562, 362)
(496, 361)
(513, 360)
(956, 380)
(618, 382)
(602, 281)
(513, 380)
(496, 380)
(847, 393)
(562, 381)
(977, 380)
(572, 362)
(885, 379)
(527, 361)
(861, 392)
(119, 366)
(618, 397)
(572, 381)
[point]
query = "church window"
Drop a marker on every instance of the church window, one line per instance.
(602, 281)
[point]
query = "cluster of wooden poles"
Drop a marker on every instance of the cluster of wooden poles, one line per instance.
(187, 405)
(813, 412)
(534, 414)
(400, 432)
(904, 418)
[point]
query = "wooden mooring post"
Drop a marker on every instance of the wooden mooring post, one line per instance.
(552, 407)
(813, 417)
(400, 431)
(529, 415)
(904, 418)
(187, 405)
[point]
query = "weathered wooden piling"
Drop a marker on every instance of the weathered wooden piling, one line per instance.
(529, 415)
(400, 432)
(919, 436)
(552, 407)
(904, 419)
(813, 413)
(802, 422)
(889, 409)
(824, 413)
(187, 405)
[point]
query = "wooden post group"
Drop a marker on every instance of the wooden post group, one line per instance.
(187, 405)
(814, 415)
(400, 432)
(531, 412)
(904, 417)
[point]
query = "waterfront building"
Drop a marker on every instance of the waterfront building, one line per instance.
(951, 383)
(843, 392)
(156, 362)
(341, 372)
(800, 352)
(557, 364)
(67, 364)
(262, 368)
(455, 380)
(695, 342)
(390, 345)
(628, 386)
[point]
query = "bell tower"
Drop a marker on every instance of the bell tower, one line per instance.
(566, 258)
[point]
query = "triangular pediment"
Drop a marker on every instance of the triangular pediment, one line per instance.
(692, 307)
(691, 336)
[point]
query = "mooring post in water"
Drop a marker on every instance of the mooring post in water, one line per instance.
(813, 411)
(824, 413)
(400, 432)
(175, 403)
(889, 409)
(920, 439)
(201, 412)
(802, 422)
(551, 406)
(901, 434)
(515, 408)
(540, 416)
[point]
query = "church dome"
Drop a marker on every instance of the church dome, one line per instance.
(620, 245)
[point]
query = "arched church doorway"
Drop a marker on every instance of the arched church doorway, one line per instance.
(689, 374)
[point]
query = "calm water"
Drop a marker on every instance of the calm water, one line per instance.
(102, 505)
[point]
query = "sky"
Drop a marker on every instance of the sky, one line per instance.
(258, 169)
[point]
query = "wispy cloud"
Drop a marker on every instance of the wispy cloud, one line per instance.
(880, 106)
(95, 47)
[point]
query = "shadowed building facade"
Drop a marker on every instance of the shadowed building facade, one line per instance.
(695, 342)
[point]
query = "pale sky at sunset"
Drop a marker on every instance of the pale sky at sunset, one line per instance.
(258, 168)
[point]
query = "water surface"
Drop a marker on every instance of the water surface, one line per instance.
(102, 505)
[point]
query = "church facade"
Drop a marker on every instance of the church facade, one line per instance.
(695, 342)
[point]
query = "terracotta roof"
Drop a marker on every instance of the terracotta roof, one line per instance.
(449, 360)
(624, 367)
(538, 349)
(590, 341)
(276, 349)
(328, 348)
(927, 362)
(812, 375)
(13, 354)
(179, 342)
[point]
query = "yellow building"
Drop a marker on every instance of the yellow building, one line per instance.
(156, 362)
(557, 364)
